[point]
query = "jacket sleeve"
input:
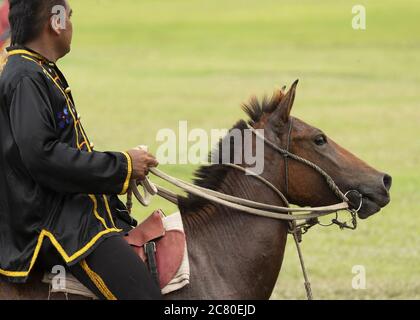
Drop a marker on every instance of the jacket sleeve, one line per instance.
(53, 163)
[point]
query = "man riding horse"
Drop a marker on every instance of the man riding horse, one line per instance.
(59, 203)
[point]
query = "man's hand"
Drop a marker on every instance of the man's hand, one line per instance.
(141, 161)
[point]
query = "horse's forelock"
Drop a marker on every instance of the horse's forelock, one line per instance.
(255, 108)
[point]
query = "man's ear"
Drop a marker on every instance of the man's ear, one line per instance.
(282, 113)
(58, 18)
(55, 25)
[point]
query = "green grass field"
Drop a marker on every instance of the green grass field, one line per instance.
(138, 66)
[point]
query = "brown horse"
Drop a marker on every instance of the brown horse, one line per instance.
(234, 255)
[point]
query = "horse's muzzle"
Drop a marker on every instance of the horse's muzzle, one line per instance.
(375, 196)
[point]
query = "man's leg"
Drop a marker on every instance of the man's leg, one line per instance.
(114, 271)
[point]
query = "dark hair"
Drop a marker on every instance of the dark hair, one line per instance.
(27, 18)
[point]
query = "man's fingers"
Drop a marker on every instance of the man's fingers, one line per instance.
(141, 162)
(152, 162)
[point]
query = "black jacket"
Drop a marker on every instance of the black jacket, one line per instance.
(52, 184)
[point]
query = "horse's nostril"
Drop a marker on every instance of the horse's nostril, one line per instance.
(387, 181)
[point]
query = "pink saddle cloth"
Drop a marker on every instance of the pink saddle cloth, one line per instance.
(170, 245)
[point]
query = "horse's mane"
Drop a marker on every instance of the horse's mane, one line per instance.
(211, 176)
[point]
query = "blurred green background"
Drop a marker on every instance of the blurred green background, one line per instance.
(139, 66)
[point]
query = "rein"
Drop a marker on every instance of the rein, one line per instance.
(309, 215)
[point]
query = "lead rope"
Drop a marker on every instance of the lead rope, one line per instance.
(307, 283)
(292, 224)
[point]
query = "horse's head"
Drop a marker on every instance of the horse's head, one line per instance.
(306, 187)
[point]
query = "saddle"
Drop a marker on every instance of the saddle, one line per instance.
(162, 239)
(160, 242)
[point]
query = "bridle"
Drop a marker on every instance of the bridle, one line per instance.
(330, 182)
(310, 218)
(286, 157)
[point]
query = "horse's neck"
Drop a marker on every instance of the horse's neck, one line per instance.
(235, 255)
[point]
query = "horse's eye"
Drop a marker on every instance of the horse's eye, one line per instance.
(320, 140)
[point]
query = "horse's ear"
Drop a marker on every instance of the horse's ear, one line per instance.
(282, 112)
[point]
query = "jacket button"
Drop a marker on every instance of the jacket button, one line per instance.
(78, 116)
(67, 90)
(92, 145)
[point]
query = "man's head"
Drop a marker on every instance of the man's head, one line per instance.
(46, 20)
